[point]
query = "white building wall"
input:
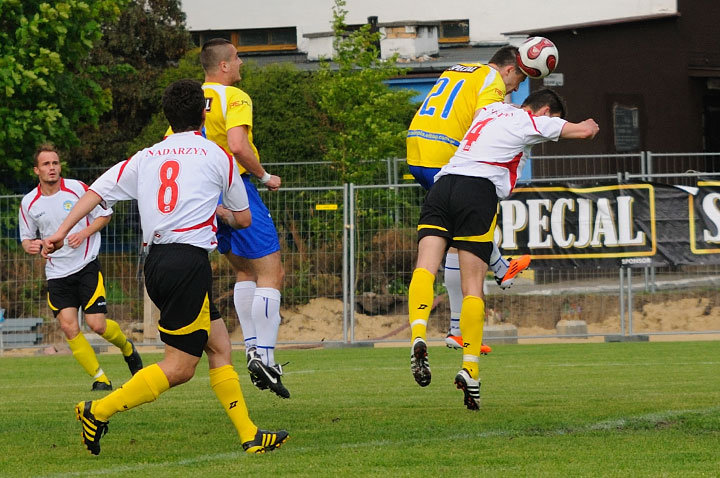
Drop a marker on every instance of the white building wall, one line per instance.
(488, 20)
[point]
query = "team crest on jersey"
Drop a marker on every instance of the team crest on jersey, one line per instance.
(67, 205)
(208, 103)
(463, 68)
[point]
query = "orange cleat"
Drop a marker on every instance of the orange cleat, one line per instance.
(516, 267)
(456, 342)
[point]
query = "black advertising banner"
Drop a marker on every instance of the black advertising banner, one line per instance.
(704, 233)
(610, 225)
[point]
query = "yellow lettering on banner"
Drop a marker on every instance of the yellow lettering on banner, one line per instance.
(326, 207)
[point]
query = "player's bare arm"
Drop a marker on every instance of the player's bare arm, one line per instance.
(239, 145)
(82, 208)
(234, 219)
(76, 239)
(584, 130)
(32, 246)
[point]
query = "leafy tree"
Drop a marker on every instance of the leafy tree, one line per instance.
(367, 120)
(148, 38)
(187, 67)
(48, 86)
(287, 123)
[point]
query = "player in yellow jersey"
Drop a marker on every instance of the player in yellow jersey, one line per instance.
(254, 253)
(433, 137)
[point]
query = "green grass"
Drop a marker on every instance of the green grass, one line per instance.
(617, 409)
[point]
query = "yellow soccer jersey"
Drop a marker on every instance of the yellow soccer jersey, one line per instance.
(447, 112)
(226, 107)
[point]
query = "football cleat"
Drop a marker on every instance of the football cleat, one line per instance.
(99, 386)
(419, 365)
(456, 342)
(515, 267)
(92, 428)
(133, 361)
(252, 354)
(470, 388)
(265, 441)
(453, 341)
(267, 376)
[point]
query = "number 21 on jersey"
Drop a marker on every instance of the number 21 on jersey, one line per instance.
(440, 98)
(167, 197)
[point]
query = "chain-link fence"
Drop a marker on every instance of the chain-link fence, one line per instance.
(349, 252)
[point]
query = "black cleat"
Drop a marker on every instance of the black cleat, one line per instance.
(92, 428)
(251, 355)
(470, 388)
(267, 376)
(265, 441)
(133, 361)
(99, 386)
(419, 365)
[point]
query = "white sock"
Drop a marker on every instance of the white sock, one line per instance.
(243, 298)
(266, 314)
(452, 284)
(498, 264)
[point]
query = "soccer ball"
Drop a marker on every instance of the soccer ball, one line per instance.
(537, 57)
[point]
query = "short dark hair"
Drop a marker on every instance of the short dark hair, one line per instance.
(183, 103)
(213, 52)
(505, 56)
(545, 97)
(43, 148)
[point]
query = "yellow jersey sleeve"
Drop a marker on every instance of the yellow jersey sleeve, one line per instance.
(239, 109)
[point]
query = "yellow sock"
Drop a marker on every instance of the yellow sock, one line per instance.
(145, 386)
(85, 355)
(226, 385)
(420, 298)
(472, 317)
(115, 336)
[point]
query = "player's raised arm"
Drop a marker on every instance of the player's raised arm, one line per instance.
(82, 208)
(584, 130)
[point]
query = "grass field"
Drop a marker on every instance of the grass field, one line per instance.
(617, 409)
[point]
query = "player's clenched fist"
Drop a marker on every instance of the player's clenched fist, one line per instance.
(52, 243)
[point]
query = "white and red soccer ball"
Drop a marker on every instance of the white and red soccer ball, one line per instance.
(537, 57)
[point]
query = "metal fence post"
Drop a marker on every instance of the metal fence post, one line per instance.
(345, 261)
(629, 305)
(622, 301)
(352, 279)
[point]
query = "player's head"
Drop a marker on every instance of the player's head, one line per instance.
(505, 62)
(47, 163)
(220, 61)
(183, 103)
(545, 102)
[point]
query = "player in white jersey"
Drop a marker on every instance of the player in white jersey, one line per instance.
(177, 183)
(460, 211)
(73, 273)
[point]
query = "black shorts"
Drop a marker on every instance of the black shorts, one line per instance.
(178, 279)
(84, 289)
(463, 210)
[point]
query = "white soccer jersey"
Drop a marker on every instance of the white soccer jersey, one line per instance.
(497, 144)
(44, 214)
(177, 183)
